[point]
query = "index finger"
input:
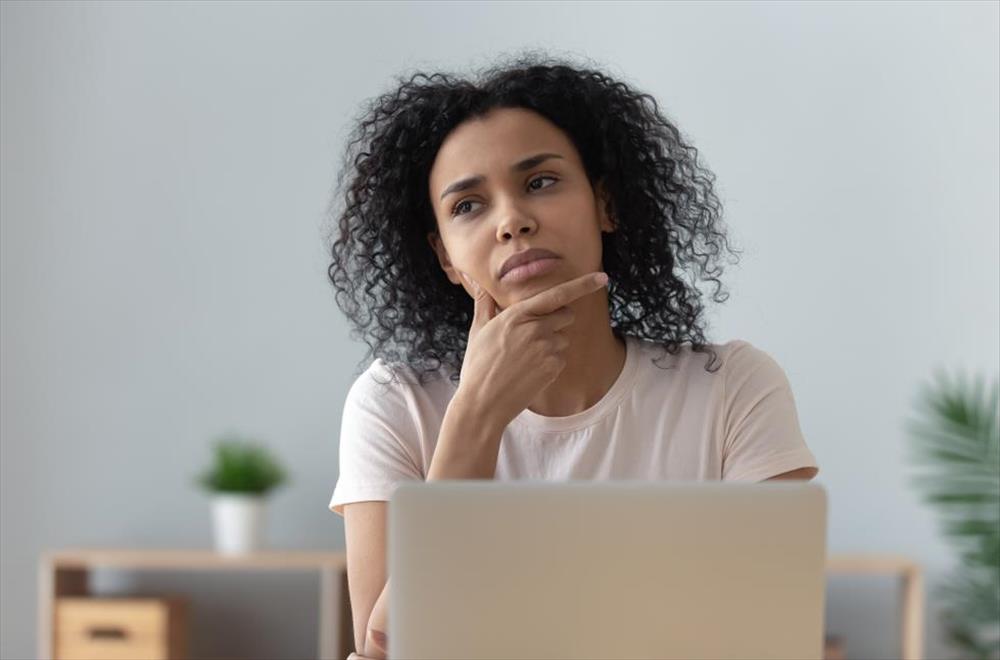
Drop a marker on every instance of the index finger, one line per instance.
(548, 301)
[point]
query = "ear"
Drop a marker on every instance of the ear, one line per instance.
(442, 255)
(603, 201)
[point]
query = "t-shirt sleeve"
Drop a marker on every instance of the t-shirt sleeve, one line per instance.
(762, 434)
(378, 441)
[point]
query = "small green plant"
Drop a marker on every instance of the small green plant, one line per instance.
(241, 466)
(959, 447)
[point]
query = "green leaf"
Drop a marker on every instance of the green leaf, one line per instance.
(957, 445)
(242, 466)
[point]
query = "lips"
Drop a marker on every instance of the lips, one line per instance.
(524, 257)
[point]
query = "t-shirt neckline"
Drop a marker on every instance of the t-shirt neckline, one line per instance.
(609, 402)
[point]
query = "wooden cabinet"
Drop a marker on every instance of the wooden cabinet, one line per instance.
(63, 587)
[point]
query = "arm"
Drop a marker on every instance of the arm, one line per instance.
(804, 474)
(467, 448)
(365, 534)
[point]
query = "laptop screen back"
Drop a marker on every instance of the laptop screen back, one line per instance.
(626, 569)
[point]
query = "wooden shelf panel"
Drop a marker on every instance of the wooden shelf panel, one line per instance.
(193, 559)
(862, 563)
(280, 559)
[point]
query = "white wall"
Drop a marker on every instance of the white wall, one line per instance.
(166, 166)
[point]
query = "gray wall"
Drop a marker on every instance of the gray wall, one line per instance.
(164, 176)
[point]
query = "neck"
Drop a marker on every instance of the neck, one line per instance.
(594, 360)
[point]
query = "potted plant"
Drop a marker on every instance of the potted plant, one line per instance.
(240, 478)
(958, 444)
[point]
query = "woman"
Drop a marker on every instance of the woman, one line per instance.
(477, 220)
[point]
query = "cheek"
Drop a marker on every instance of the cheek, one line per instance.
(473, 259)
(475, 256)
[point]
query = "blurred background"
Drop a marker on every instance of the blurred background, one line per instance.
(166, 168)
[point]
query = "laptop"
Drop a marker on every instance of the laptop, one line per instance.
(612, 569)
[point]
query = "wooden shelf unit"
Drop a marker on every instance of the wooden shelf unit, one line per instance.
(66, 573)
(911, 634)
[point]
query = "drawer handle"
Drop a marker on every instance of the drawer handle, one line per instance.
(107, 633)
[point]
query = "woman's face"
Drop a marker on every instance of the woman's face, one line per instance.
(545, 204)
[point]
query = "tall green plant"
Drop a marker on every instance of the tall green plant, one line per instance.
(957, 444)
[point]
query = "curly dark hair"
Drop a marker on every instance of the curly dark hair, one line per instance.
(387, 278)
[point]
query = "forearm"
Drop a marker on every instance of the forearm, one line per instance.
(467, 448)
(468, 443)
(374, 644)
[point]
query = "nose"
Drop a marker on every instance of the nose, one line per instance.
(519, 226)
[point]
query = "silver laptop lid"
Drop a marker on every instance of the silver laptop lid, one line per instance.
(612, 569)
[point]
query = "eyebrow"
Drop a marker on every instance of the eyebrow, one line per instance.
(469, 182)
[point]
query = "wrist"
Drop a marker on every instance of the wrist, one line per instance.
(468, 443)
(466, 405)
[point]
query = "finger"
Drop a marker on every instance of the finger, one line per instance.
(484, 305)
(559, 319)
(548, 301)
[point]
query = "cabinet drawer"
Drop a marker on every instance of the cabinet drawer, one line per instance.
(120, 628)
(84, 648)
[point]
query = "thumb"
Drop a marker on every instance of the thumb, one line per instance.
(485, 306)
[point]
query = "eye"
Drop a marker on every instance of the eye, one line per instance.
(454, 210)
(539, 178)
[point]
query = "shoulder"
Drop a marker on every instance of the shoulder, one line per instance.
(395, 388)
(733, 356)
(381, 389)
(750, 372)
(382, 377)
(732, 366)
(741, 358)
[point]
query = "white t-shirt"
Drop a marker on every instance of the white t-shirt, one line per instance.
(675, 422)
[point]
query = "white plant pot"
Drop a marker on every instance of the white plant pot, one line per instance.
(238, 521)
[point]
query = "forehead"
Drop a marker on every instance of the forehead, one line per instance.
(491, 144)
